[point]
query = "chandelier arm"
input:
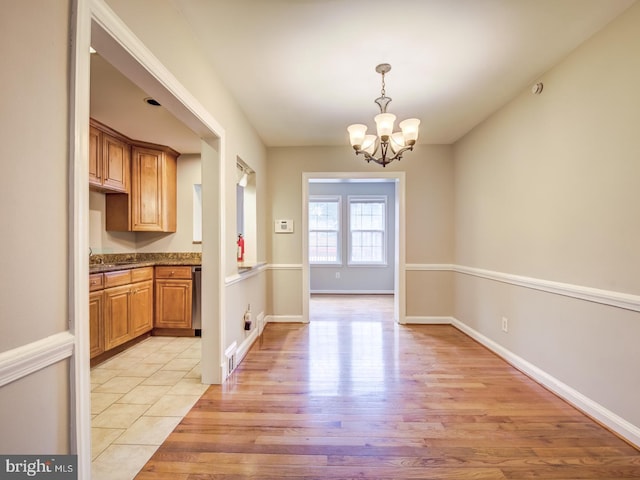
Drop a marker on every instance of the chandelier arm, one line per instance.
(383, 159)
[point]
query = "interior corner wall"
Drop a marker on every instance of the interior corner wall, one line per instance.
(429, 219)
(547, 188)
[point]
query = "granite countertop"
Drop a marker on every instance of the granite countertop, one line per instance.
(123, 261)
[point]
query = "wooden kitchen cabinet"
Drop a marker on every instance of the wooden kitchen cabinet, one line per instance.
(117, 317)
(152, 203)
(173, 297)
(141, 308)
(96, 323)
(96, 314)
(128, 305)
(109, 159)
(95, 157)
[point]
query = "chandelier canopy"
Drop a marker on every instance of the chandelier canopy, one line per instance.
(391, 145)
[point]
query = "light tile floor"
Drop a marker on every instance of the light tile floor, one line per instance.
(137, 398)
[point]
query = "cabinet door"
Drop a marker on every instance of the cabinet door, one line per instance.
(146, 190)
(141, 307)
(96, 323)
(117, 329)
(95, 157)
(173, 303)
(116, 159)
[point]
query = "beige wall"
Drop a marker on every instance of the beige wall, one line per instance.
(548, 188)
(429, 216)
(34, 209)
(34, 412)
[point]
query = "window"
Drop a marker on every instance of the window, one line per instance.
(367, 230)
(324, 230)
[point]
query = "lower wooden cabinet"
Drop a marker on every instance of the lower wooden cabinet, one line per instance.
(123, 310)
(173, 297)
(128, 303)
(96, 323)
(141, 308)
(117, 317)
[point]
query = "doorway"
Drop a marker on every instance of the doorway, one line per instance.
(112, 38)
(333, 263)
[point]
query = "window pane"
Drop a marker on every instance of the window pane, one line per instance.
(323, 246)
(323, 215)
(368, 231)
(324, 231)
(367, 246)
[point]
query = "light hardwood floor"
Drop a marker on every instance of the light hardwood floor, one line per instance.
(353, 395)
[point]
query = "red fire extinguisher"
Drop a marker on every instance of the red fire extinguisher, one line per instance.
(240, 248)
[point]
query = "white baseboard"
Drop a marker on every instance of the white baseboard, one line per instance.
(260, 322)
(245, 346)
(429, 320)
(284, 319)
(596, 411)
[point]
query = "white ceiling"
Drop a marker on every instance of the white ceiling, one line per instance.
(303, 70)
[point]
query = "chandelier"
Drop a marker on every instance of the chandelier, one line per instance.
(391, 145)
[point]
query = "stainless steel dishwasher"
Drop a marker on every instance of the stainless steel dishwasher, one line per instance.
(196, 303)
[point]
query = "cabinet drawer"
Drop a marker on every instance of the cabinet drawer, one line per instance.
(115, 279)
(141, 274)
(173, 272)
(96, 282)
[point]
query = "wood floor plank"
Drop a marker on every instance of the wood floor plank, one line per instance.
(353, 395)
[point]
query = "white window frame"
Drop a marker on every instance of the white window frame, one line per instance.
(367, 199)
(333, 199)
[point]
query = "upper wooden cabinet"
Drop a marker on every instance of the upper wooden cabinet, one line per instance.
(152, 204)
(109, 159)
(153, 191)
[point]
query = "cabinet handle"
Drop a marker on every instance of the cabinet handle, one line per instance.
(94, 282)
(172, 273)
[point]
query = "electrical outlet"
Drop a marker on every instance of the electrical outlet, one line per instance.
(505, 324)
(337, 274)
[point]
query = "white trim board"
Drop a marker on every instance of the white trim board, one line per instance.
(285, 266)
(606, 297)
(27, 359)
